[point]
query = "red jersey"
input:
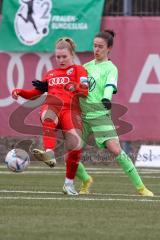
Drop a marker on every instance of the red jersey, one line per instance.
(58, 78)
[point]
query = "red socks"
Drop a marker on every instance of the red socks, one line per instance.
(72, 161)
(49, 139)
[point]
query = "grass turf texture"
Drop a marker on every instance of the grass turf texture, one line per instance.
(33, 207)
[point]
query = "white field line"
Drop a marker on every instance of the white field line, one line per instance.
(58, 193)
(33, 172)
(105, 168)
(120, 174)
(80, 199)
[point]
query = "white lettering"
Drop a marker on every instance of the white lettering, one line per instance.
(67, 18)
(152, 63)
(70, 26)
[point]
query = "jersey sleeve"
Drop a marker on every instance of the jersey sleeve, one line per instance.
(112, 78)
(29, 94)
(108, 92)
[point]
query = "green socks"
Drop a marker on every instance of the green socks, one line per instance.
(82, 173)
(129, 168)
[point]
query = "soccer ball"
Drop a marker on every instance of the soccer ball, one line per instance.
(17, 160)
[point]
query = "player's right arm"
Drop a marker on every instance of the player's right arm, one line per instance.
(39, 88)
(27, 94)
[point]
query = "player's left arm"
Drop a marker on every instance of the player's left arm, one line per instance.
(110, 88)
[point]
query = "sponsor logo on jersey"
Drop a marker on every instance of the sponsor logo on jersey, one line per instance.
(58, 80)
(92, 83)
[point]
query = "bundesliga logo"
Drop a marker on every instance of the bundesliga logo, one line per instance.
(32, 20)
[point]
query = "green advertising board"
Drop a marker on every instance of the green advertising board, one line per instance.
(35, 25)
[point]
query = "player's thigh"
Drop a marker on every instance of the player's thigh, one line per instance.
(73, 139)
(70, 120)
(71, 124)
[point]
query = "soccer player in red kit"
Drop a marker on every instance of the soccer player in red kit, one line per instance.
(64, 85)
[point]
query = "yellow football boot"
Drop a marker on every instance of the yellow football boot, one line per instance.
(85, 187)
(145, 192)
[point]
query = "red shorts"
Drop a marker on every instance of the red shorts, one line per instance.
(67, 119)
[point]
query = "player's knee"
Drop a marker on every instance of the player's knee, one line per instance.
(75, 143)
(114, 147)
(49, 114)
(74, 146)
(73, 140)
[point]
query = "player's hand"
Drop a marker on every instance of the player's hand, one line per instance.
(106, 103)
(70, 87)
(84, 86)
(41, 86)
(15, 93)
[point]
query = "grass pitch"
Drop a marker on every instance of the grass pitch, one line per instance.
(32, 206)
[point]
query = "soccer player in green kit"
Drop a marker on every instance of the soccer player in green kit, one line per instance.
(96, 109)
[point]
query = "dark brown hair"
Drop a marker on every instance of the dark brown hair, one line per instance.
(107, 35)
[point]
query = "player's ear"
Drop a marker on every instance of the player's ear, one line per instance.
(109, 49)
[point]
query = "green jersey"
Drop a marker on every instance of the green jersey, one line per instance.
(101, 76)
